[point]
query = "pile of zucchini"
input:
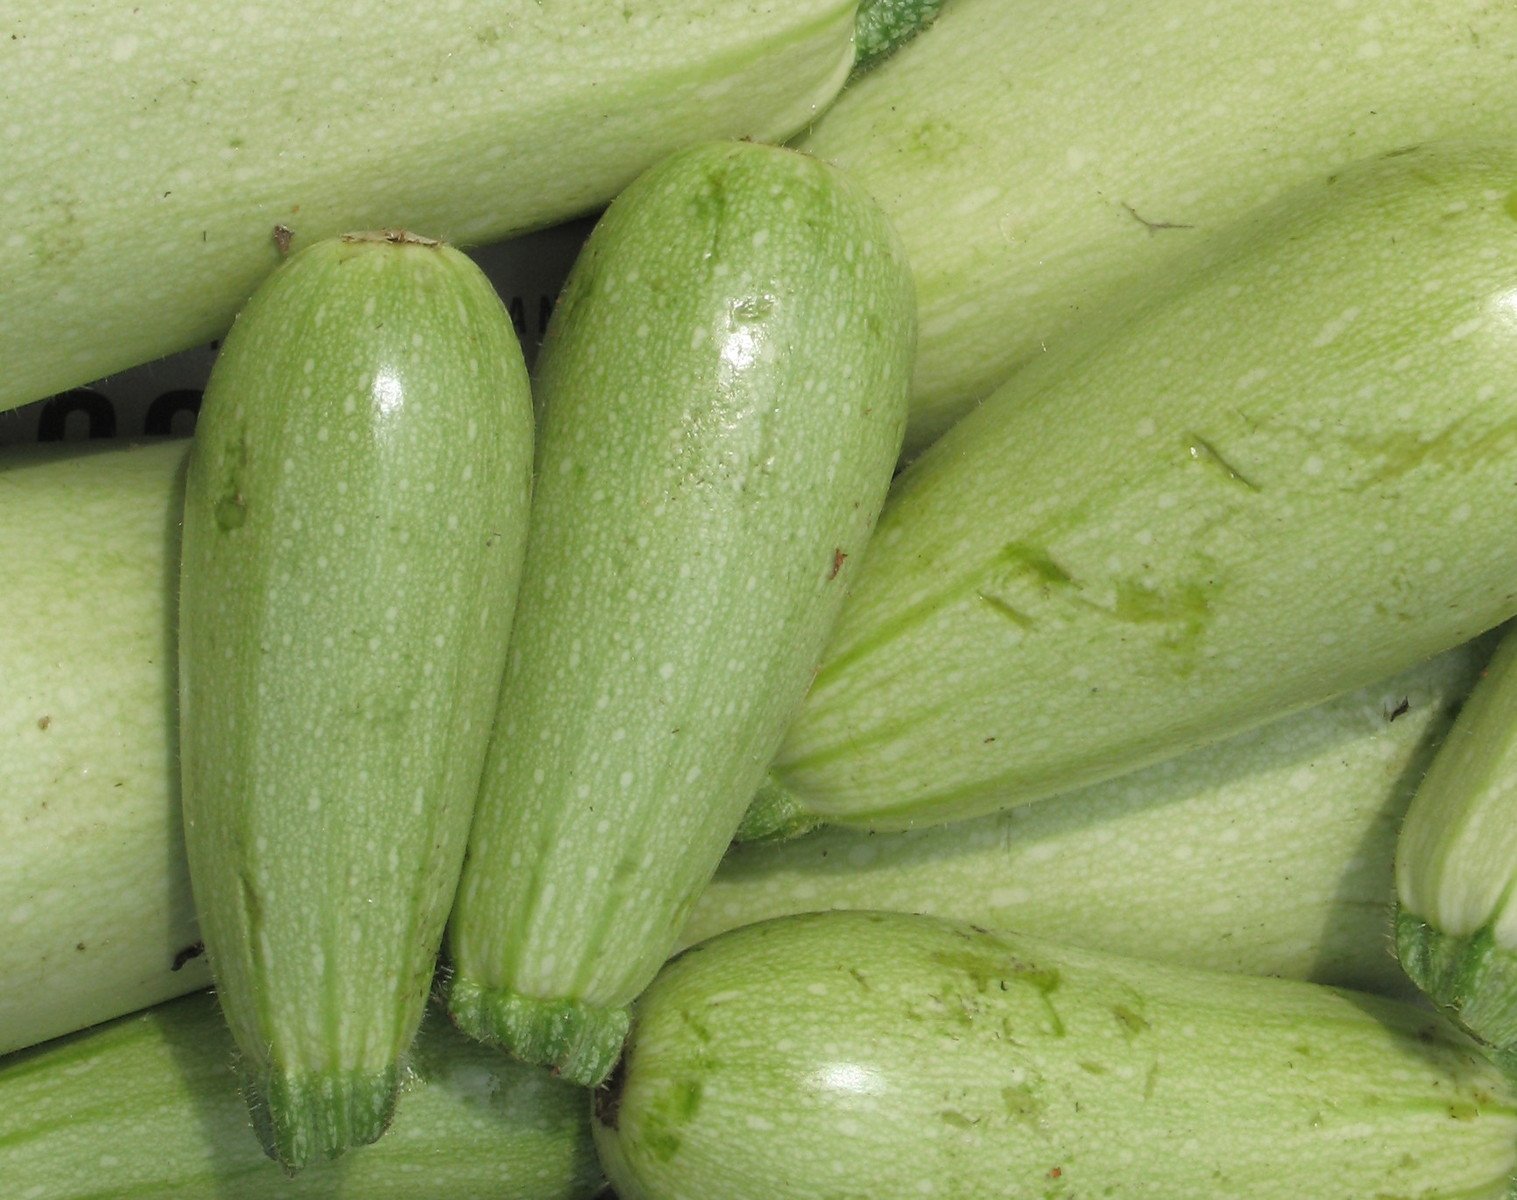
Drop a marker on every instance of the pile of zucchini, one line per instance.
(973, 663)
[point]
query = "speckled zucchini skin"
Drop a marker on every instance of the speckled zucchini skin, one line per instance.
(153, 151)
(354, 524)
(93, 886)
(146, 1108)
(1456, 865)
(895, 1056)
(1278, 476)
(1025, 207)
(1277, 846)
(722, 398)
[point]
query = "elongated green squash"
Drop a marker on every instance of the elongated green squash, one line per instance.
(1040, 159)
(95, 911)
(154, 153)
(146, 1107)
(1275, 477)
(354, 523)
(1456, 865)
(895, 1056)
(722, 396)
(1267, 854)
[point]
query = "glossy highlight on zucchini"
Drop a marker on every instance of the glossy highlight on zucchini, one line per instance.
(354, 523)
(892, 1055)
(722, 396)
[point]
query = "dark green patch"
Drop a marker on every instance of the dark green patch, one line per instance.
(685, 1099)
(696, 1026)
(956, 1120)
(231, 511)
(661, 1143)
(1021, 1104)
(1037, 560)
(1132, 1023)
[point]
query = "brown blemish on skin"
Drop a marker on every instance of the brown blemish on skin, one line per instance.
(283, 236)
(839, 556)
(43, 722)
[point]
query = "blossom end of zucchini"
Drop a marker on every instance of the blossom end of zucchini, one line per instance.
(1471, 977)
(579, 1042)
(315, 1116)
(775, 814)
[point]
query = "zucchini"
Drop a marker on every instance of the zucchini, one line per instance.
(722, 393)
(94, 891)
(1166, 532)
(1025, 206)
(354, 523)
(158, 155)
(1276, 844)
(1456, 866)
(890, 1055)
(146, 1107)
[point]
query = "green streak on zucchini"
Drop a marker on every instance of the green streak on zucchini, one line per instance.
(1456, 865)
(147, 1106)
(1025, 207)
(1267, 854)
(95, 896)
(722, 396)
(355, 518)
(870, 1054)
(1167, 533)
(154, 152)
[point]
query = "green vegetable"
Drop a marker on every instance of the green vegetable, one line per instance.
(156, 155)
(866, 1054)
(1171, 531)
(147, 1107)
(1456, 865)
(722, 395)
(95, 912)
(1043, 159)
(884, 26)
(355, 518)
(1275, 844)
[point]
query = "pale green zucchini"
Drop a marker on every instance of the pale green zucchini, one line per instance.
(1040, 159)
(891, 1056)
(95, 911)
(1456, 865)
(722, 395)
(155, 155)
(1275, 477)
(354, 523)
(1267, 854)
(146, 1108)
